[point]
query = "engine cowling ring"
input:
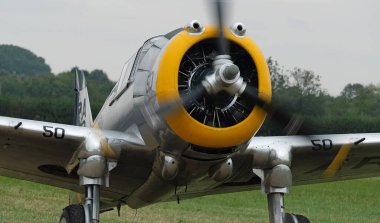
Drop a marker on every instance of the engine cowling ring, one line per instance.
(181, 122)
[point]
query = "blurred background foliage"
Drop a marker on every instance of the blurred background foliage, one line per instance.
(29, 90)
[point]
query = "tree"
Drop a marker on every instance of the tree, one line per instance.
(17, 60)
(360, 100)
(306, 81)
(278, 76)
(351, 91)
(98, 75)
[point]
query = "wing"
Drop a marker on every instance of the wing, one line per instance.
(41, 151)
(315, 159)
(32, 149)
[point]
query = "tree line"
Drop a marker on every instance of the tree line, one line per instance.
(299, 91)
(29, 90)
(49, 97)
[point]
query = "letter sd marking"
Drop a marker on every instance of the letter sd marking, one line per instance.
(50, 131)
(325, 144)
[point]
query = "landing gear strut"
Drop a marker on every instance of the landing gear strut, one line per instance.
(93, 172)
(276, 207)
(275, 184)
(272, 166)
(91, 205)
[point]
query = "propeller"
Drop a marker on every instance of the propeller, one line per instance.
(226, 77)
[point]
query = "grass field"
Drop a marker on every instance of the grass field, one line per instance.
(339, 202)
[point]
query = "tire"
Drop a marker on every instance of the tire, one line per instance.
(73, 214)
(289, 218)
(295, 218)
(302, 219)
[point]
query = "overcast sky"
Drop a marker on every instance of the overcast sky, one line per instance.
(337, 39)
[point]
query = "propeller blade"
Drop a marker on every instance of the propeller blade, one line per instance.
(220, 16)
(185, 100)
(153, 116)
(293, 123)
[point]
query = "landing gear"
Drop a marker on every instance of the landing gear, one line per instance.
(275, 183)
(272, 166)
(93, 173)
(73, 214)
(91, 204)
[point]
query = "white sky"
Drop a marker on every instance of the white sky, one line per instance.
(337, 39)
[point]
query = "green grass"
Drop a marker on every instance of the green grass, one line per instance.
(347, 201)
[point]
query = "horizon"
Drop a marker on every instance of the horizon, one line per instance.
(286, 69)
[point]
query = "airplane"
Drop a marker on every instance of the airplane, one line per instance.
(181, 123)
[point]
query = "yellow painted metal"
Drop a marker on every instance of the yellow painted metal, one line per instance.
(338, 160)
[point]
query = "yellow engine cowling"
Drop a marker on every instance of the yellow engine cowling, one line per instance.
(181, 122)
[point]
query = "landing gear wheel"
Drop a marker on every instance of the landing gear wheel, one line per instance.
(295, 218)
(73, 214)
